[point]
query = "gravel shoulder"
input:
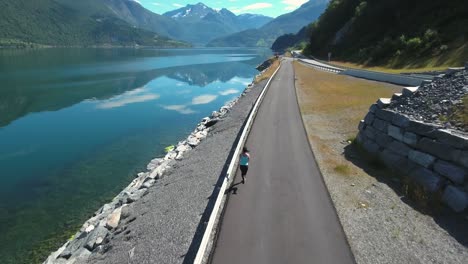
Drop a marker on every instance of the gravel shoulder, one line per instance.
(167, 224)
(381, 224)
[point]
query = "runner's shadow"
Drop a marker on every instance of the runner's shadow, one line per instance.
(233, 188)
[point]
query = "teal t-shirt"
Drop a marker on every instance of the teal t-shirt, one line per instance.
(244, 160)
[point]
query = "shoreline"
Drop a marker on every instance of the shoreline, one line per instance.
(95, 235)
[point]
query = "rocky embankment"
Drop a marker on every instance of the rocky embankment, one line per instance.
(159, 217)
(421, 135)
(438, 102)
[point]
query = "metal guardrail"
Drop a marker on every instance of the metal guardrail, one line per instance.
(232, 169)
(399, 79)
(322, 67)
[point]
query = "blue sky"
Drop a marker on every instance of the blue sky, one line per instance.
(271, 8)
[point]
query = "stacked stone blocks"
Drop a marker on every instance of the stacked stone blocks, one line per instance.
(432, 157)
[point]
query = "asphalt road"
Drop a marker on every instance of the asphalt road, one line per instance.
(283, 213)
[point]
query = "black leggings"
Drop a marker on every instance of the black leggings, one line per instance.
(244, 169)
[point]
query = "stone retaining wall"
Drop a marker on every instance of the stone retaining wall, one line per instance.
(430, 156)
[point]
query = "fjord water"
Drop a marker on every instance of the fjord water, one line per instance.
(76, 125)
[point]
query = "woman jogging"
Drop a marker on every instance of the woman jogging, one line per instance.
(244, 163)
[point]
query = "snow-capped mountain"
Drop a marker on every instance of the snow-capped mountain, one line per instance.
(209, 23)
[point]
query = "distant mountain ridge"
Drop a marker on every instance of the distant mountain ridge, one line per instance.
(115, 22)
(77, 23)
(267, 34)
(201, 23)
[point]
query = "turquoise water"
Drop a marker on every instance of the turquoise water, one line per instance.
(76, 125)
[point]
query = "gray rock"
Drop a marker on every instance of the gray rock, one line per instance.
(362, 125)
(373, 108)
(201, 135)
(383, 102)
(193, 141)
(215, 114)
(212, 122)
(369, 118)
(383, 140)
(391, 159)
(409, 91)
(179, 156)
(399, 148)
(89, 228)
(371, 132)
(400, 120)
(96, 237)
(462, 159)
(422, 129)
(386, 115)
(453, 172)
(170, 155)
(183, 148)
(421, 158)
(395, 132)
(137, 195)
(371, 147)
(154, 163)
(430, 181)
(442, 151)
(56, 261)
(148, 184)
(455, 198)
(107, 208)
(72, 247)
(158, 172)
(396, 96)
(380, 125)
(410, 138)
(360, 138)
(113, 219)
(452, 139)
(127, 211)
(205, 119)
(80, 256)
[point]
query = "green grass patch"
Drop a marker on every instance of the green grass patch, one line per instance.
(342, 169)
(169, 148)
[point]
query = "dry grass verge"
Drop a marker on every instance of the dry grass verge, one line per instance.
(268, 72)
(387, 70)
(381, 224)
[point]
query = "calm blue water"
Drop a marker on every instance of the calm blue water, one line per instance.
(76, 125)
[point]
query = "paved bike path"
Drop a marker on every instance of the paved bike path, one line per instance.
(283, 214)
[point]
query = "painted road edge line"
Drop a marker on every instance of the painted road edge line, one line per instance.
(232, 168)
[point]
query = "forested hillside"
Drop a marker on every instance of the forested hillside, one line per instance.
(395, 33)
(70, 23)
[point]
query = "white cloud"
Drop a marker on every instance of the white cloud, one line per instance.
(204, 99)
(156, 4)
(228, 92)
(135, 91)
(183, 109)
(293, 4)
(177, 5)
(126, 99)
(237, 80)
(252, 7)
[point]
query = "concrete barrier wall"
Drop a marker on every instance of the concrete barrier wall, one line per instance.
(430, 156)
(384, 77)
